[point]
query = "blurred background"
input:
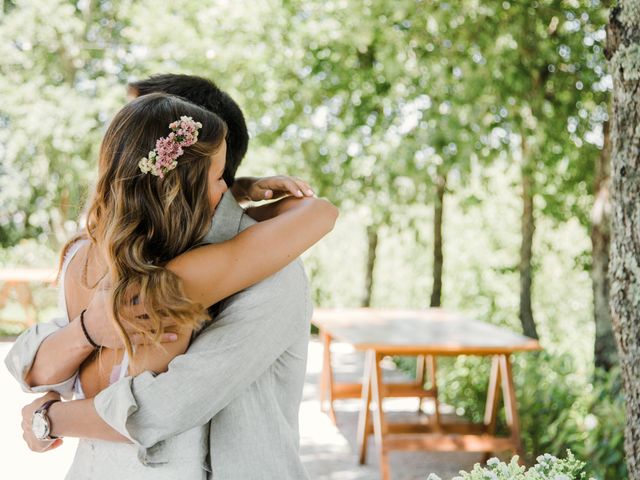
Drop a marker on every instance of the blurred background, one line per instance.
(464, 141)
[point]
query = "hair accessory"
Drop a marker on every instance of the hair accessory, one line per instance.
(164, 157)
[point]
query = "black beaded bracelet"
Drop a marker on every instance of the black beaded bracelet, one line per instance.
(84, 330)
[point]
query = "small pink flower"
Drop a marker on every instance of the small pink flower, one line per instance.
(168, 149)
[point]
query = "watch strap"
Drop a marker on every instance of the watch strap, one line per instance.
(44, 408)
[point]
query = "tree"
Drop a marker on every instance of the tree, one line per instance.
(623, 53)
(347, 90)
(397, 85)
(53, 55)
(540, 70)
(441, 69)
(605, 353)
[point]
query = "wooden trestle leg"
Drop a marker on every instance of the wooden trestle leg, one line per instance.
(510, 404)
(493, 396)
(379, 423)
(364, 419)
(420, 376)
(326, 378)
(431, 365)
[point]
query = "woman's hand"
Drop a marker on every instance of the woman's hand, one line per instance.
(27, 432)
(270, 188)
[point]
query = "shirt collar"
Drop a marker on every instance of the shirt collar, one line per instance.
(226, 220)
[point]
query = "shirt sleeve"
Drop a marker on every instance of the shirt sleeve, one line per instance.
(253, 328)
(21, 356)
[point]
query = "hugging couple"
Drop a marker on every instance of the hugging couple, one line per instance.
(187, 317)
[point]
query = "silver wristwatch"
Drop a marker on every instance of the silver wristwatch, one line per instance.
(40, 424)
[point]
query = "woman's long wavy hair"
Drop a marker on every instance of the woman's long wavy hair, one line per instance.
(138, 222)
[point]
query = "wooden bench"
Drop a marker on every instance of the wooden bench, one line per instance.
(19, 280)
(424, 334)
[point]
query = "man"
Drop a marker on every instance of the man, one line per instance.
(243, 373)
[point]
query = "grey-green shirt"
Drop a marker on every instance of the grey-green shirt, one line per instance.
(243, 373)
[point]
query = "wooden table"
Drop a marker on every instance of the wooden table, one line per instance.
(424, 334)
(20, 280)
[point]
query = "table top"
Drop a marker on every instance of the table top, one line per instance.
(434, 330)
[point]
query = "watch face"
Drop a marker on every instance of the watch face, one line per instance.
(39, 426)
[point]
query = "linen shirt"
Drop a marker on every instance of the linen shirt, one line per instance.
(243, 373)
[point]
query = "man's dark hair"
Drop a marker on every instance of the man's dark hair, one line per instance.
(205, 93)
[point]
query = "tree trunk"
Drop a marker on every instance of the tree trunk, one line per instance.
(438, 259)
(623, 53)
(605, 352)
(526, 247)
(372, 241)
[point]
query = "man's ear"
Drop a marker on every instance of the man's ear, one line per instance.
(132, 92)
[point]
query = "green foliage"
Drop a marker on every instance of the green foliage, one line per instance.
(594, 427)
(371, 101)
(547, 468)
(28, 253)
(58, 88)
(558, 408)
(547, 85)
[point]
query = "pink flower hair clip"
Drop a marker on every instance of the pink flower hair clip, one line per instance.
(164, 157)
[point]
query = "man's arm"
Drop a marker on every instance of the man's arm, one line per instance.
(85, 416)
(253, 329)
(68, 346)
(23, 354)
(47, 356)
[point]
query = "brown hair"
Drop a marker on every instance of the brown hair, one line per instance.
(205, 93)
(139, 222)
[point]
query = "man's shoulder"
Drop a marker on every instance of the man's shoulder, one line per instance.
(290, 277)
(285, 294)
(292, 280)
(290, 283)
(286, 289)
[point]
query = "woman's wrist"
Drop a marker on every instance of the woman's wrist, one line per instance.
(80, 341)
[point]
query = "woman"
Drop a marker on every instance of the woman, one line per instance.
(147, 213)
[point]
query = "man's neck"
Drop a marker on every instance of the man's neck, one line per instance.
(226, 220)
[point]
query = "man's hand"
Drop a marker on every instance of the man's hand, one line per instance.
(101, 328)
(270, 188)
(27, 433)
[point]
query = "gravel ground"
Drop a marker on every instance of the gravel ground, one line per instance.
(328, 451)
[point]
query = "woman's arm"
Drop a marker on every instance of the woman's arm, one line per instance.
(61, 354)
(290, 226)
(214, 272)
(240, 262)
(95, 374)
(156, 358)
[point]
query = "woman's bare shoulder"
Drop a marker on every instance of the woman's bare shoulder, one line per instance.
(84, 266)
(82, 274)
(78, 253)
